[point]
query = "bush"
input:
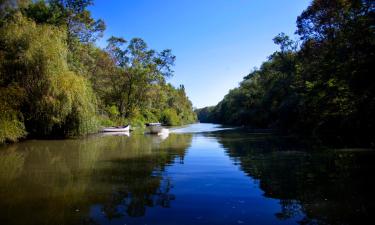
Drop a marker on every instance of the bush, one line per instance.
(112, 111)
(170, 117)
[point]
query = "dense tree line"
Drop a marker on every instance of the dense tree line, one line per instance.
(321, 84)
(54, 80)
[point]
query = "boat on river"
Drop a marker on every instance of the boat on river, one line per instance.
(156, 128)
(117, 129)
(106, 134)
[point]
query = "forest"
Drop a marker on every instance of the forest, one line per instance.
(318, 85)
(56, 82)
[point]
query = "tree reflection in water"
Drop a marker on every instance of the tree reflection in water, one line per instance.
(107, 180)
(325, 186)
(139, 182)
(124, 175)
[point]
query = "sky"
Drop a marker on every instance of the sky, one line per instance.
(216, 42)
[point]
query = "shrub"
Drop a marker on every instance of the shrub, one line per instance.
(170, 117)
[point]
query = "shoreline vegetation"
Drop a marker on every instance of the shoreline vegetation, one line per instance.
(56, 82)
(320, 85)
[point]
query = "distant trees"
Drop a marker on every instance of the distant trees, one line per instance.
(135, 85)
(323, 86)
(54, 81)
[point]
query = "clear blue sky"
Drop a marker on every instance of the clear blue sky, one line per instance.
(217, 42)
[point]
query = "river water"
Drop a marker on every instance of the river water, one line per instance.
(199, 174)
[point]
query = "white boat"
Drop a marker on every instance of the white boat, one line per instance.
(117, 129)
(155, 128)
(124, 133)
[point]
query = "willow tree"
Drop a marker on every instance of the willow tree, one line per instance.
(11, 125)
(56, 101)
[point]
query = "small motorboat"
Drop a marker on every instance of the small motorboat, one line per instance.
(117, 129)
(156, 128)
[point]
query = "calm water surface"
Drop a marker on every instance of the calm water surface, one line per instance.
(199, 174)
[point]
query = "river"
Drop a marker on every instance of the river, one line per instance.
(199, 174)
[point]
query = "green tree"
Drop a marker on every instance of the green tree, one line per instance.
(138, 68)
(322, 87)
(54, 80)
(56, 100)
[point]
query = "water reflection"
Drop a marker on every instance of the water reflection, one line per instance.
(11, 164)
(104, 134)
(57, 182)
(205, 176)
(324, 186)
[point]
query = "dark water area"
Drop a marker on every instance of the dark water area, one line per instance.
(199, 174)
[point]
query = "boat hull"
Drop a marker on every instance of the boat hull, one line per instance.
(115, 129)
(125, 133)
(155, 129)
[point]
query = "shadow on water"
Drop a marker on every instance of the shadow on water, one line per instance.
(324, 186)
(58, 182)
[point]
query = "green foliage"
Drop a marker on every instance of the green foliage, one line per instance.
(11, 122)
(105, 121)
(205, 114)
(324, 87)
(54, 81)
(57, 101)
(11, 128)
(132, 78)
(71, 14)
(170, 117)
(113, 111)
(136, 71)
